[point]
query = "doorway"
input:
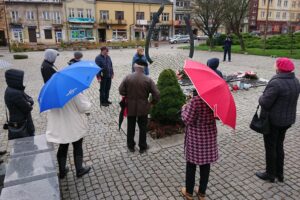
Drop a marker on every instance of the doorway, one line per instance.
(32, 35)
(58, 36)
(102, 35)
(2, 39)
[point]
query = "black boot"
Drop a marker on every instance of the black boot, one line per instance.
(80, 171)
(280, 178)
(265, 176)
(63, 170)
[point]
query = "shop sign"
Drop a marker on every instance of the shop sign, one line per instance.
(81, 26)
(81, 20)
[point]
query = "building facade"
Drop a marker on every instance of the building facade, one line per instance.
(130, 19)
(181, 8)
(284, 16)
(35, 21)
(3, 31)
(253, 13)
(80, 20)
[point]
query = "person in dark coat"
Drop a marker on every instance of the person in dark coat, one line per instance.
(77, 57)
(213, 63)
(48, 68)
(19, 104)
(200, 145)
(105, 76)
(227, 48)
(137, 87)
(279, 100)
(140, 57)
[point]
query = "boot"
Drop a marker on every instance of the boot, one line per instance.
(265, 176)
(63, 170)
(201, 196)
(80, 171)
(186, 195)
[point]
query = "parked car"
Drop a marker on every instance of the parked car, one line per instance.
(120, 39)
(255, 33)
(180, 39)
(202, 37)
(297, 32)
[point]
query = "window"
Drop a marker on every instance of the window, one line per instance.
(165, 17)
(179, 3)
(119, 34)
(119, 15)
(263, 2)
(285, 3)
(294, 4)
(71, 12)
(298, 4)
(152, 15)
(18, 35)
(104, 14)
(278, 15)
(179, 16)
(279, 3)
(187, 4)
(262, 14)
(284, 15)
(56, 17)
(80, 13)
(253, 17)
(29, 15)
(46, 15)
(298, 16)
(48, 33)
(270, 14)
(255, 5)
(292, 15)
(89, 13)
(14, 15)
(140, 15)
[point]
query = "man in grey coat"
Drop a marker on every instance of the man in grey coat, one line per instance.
(137, 87)
(279, 101)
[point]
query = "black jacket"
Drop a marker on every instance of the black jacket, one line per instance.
(213, 63)
(19, 104)
(280, 99)
(47, 69)
(72, 61)
(227, 43)
(106, 66)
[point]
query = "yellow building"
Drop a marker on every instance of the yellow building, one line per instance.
(130, 19)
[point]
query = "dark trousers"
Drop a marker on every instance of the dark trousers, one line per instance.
(190, 177)
(63, 152)
(274, 151)
(105, 85)
(227, 51)
(142, 123)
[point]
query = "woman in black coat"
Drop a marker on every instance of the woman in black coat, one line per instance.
(19, 104)
(48, 68)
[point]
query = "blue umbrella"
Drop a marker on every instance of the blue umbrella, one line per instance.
(66, 84)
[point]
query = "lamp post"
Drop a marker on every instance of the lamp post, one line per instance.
(266, 26)
(7, 33)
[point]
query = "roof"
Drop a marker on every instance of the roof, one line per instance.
(166, 2)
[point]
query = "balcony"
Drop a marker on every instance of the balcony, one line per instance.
(56, 22)
(142, 22)
(179, 23)
(183, 8)
(112, 22)
(18, 21)
(169, 22)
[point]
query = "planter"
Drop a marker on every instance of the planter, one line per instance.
(156, 44)
(158, 130)
(20, 56)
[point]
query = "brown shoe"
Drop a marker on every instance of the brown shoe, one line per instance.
(186, 195)
(199, 195)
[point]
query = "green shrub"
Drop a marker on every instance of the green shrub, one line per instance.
(171, 99)
(20, 56)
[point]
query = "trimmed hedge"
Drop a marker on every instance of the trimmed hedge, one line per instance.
(20, 56)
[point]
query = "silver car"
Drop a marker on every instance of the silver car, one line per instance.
(180, 39)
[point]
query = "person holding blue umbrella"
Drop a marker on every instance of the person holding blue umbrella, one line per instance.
(63, 96)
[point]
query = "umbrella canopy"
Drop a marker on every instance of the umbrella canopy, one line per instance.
(66, 84)
(213, 90)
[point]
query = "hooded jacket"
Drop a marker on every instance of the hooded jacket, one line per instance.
(19, 104)
(213, 63)
(48, 68)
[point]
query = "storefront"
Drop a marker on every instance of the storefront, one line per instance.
(17, 33)
(80, 28)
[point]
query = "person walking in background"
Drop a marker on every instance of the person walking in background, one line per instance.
(140, 57)
(77, 57)
(200, 145)
(137, 87)
(279, 101)
(105, 76)
(48, 68)
(19, 104)
(213, 63)
(227, 48)
(69, 125)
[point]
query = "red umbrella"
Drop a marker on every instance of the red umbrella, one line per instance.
(213, 90)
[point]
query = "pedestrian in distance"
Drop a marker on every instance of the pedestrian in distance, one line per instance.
(140, 57)
(19, 105)
(69, 125)
(105, 76)
(48, 68)
(227, 48)
(77, 57)
(279, 101)
(200, 145)
(213, 63)
(137, 87)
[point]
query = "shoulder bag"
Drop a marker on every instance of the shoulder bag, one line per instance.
(260, 124)
(16, 129)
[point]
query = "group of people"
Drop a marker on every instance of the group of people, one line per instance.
(69, 124)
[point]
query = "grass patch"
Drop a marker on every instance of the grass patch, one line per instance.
(254, 51)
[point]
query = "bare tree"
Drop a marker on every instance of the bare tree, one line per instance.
(235, 13)
(208, 16)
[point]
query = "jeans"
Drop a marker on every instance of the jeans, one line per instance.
(274, 151)
(77, 149)
(227, 51)
(142, 123)
(105, 85)
(190, 177)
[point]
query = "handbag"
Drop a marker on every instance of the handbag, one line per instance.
(16, 129)
(260, 124)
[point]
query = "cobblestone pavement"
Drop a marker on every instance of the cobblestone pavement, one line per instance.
(159, 174)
